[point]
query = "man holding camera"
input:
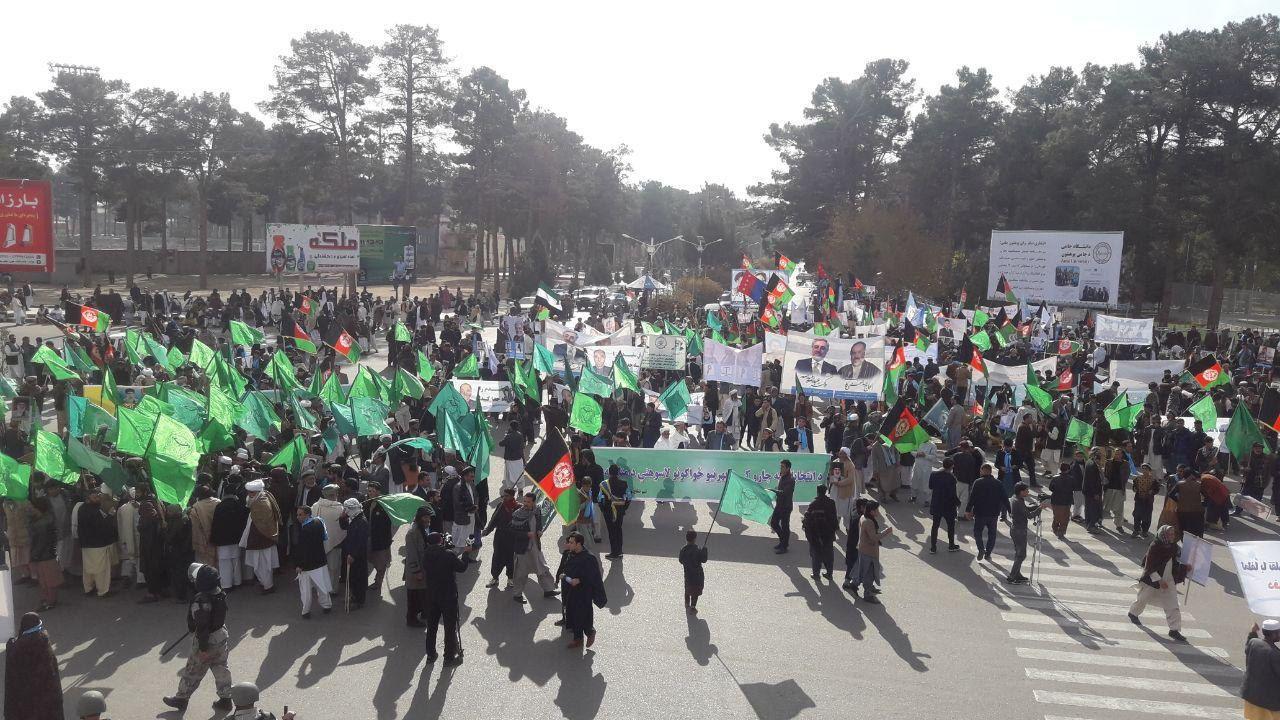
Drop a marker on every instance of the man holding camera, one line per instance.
(1021, 509)
(440, 568)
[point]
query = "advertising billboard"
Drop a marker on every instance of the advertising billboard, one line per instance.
(26, 226)
(297, 249)
(382, 246)
(1058, 267)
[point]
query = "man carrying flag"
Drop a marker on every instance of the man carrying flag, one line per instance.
(551, 470)
(85, 316)
(902, 430)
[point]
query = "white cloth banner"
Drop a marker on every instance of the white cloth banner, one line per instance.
(726, 364)
(875, 330)
(1015, 375)
(1123, 331)
(1197, 555)
(1258, 566)
(1145, 371)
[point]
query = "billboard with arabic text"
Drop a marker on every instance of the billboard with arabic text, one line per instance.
(26, 226)
(297, 249)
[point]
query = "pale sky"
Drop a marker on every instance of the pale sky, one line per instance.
(689, 86)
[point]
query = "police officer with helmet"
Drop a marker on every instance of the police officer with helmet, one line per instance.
(210, 643)
(244, 695)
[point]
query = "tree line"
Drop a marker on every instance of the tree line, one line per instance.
(388, 132)
(1179, 149)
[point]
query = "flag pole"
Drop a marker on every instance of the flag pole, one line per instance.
(716, 514)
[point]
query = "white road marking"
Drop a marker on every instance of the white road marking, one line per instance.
(1157, 707)
(1076, 606)
(1119, 643)
(1170, 666)
(1076, 593)
(1130, 683)
(1113, 582)
(1107, 625)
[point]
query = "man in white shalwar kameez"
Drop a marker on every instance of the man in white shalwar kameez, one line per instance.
(313, 573)
(329, 511)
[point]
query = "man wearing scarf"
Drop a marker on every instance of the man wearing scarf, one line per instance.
(313, 569)
(259, 537)
(355, 550)
(31, 667)
(1161, 573)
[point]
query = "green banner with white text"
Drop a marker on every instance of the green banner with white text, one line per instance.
(700, 474)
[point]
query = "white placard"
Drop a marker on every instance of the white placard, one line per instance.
(1015, 375)
(1197, 555)
(1058, 267)
(1123, 331)
(726, 364)
(1258, 567)
(297, 249)
(663, 352)
(495, 395)
(775, 346)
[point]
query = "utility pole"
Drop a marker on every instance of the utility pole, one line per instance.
(701, 246)
(651, 248)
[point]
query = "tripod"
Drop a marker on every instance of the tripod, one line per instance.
(1035, 555)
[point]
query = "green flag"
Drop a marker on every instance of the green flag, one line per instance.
(980, 319)
(290, 456)
(109, 393)
(282, 372)
(1242, 433)
(468, 368)
(242, 334)
(173, 456)
(176, 358)
(133, 434)
(401, 333)
(525, 377)
(1033, 379)
(302, 417)
(451, 435)
(1120, 414)
(258, 417)
(54, 364)
(189, 408)
(1204, 411)
(8, 388)
(586, 414)
(201, 354)
(75, 358)
(157, 351)
(481, 446)
(331, 391)
(1080, 433)
(406, 385)
(111, 472)
(417, 442)
(370, 415)
(133, 346)
(15, 479)
(86, 418)
(713, 321)
(425, 371)
(746, 499)
(676, 399)
(401, 507)
(51, 458)
(594, 384)
(343, 418)
(1040, 398)
(368, 384)
(981, 340)
(543, 359)
(622, 375)
(450, 401)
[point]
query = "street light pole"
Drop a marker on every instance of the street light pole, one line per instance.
(701, 246)
(651, 248)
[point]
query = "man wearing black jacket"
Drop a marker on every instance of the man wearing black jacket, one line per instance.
(380, 533)
(780, 520)
(966, 460)
(987, 503)
(819, 524)
(440, 568)
(943, 501)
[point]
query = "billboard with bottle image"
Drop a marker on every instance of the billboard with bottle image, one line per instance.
(297, 249)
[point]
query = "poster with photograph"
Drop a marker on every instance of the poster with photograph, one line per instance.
(834, 367)
(495, 396)
(1058, 267)
(663, 352)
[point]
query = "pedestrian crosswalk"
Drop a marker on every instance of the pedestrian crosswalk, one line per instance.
(1083, 657)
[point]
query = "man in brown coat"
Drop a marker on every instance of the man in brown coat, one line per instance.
(260, 534)
(202, 526)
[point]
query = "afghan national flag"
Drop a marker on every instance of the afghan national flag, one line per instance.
(1004, 288)
(302, 340)
(1208, 372)
(769, 316)
(549, 297)
(1066, 380)
(977, 363)
(746, 263)
(551, 470)
(1269, 413)
(779, 293)
(857, 284)
(898, 360)
(86, 316)
(310, 308)
(902, 430)
(784, 263)
(345, 345)
(751, 286)
(822, 273)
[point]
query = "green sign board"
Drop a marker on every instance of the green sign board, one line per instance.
(700, 474)
(382, 246)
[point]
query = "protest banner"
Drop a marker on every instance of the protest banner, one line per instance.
(663, 352)
(834, 368)
(775, 346)
(726, 364)
(494, 395)
(1059, 267)
(1197, 555)
(1258, 567)
(701, 474)
(1123, 331)
(1014, 375)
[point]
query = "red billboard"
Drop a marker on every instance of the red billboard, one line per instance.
(26, 226)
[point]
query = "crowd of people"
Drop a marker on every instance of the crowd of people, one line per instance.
(251, 520)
